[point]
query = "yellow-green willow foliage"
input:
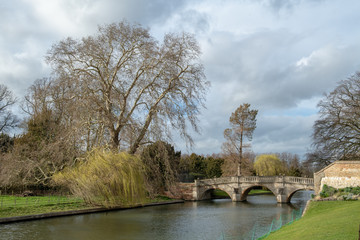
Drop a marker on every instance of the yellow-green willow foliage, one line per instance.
(106, 178)
(268, 165)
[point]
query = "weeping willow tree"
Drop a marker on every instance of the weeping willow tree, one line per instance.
(268, 165)
(106, 178)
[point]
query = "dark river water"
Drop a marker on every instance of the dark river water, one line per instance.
(212, 219)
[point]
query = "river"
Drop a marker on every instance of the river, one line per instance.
(208, 220)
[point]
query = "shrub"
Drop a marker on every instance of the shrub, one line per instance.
(348, 197)
(106, 178)
(161, 163)
(347, 192)
(327, 191)
(354, 190)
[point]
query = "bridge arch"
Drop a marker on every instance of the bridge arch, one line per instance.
(205, 194)
(247, 190)
(291, 194)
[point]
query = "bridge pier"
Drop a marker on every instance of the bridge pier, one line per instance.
(281, 198)
(236, 196)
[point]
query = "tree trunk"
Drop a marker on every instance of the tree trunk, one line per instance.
(114, 139)
(240, 153)
(138, 140)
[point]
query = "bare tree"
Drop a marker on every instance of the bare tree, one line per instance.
(337, 131)
(243, 124)
(130, 87)
(7, 119)
(50, 141)
(231, 161)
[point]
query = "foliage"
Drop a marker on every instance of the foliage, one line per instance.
(42, 127)
(106, 178)
(337, 132)
(39, 153)
(243, 124)
(268, 165)
(327, 191)
(213, 167)
(128, 86)
(192, 167)
(217, 193)
(347, 193)
(197, 166)
(6, 143)
(7, 119)
(161, 167)
(353, 190)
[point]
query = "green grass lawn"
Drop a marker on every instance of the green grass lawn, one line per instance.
(333, 220)
(12, 206)
(259, 191)
(220, 193)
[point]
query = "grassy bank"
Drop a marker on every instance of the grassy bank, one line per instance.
(12, 206)
(259, 191)
(221, 194)
(330, 220)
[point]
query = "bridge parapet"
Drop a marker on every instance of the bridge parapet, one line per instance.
(300, 180)
(212, 181)
(259, 179)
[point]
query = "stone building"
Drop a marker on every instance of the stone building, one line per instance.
(339, 174)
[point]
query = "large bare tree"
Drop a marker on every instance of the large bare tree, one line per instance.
(243, 124)
(129, 87)
(7, 119)
(337, 131)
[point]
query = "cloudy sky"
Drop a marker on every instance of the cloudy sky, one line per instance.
(280, 56)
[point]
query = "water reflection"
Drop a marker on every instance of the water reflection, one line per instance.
(191, 220)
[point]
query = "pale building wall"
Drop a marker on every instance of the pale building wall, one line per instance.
(339, 174)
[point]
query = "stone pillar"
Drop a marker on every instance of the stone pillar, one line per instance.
(236, 195)
(196, 190)
(317, 181)
(281, 196)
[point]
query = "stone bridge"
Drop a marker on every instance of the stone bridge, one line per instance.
(283, 187)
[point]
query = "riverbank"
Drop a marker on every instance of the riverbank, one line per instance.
(328, 220)
(32, 208)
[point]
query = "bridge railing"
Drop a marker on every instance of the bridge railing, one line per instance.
(255, 179)
(300, 180)
(213, 181)
(258, 179)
